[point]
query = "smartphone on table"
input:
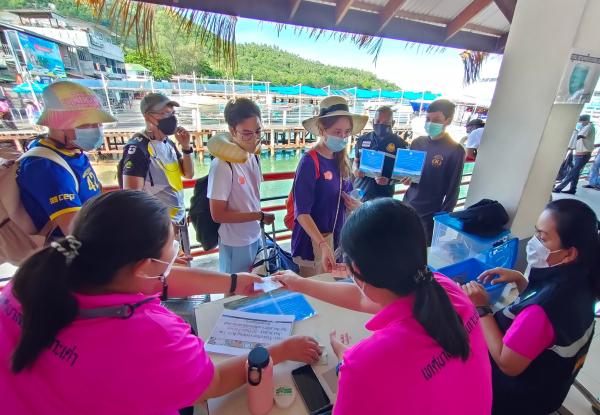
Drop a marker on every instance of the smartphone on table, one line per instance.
(314, 396)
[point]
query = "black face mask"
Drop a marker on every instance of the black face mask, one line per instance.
(381, 130)
(168, 125)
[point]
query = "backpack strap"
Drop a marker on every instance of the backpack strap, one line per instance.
(49, 154)
(313, 154)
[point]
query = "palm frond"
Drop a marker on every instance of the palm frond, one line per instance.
(217, 31)
(472, 62)
(373, 44)
(126, 17)
(130, 17)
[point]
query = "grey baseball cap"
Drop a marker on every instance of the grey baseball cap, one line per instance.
(156, 102)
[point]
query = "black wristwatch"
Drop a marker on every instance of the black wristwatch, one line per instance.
(484, 311)
(190, 151)
(233, 284)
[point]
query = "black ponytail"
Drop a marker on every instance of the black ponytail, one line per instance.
(41, 287)
(115, 230)
(577, 227)
(386, 240)
(434, 311)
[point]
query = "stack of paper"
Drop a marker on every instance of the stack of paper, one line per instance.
(238, 332)
(409, 163)
(371, 162)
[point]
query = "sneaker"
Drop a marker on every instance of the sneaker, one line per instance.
(589, 186)
(556, 190)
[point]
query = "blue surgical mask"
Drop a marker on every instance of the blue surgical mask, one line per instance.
(89, 139)
(578, 126)
(335, 144)
(433, 129)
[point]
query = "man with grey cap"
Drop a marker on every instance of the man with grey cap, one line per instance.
(582, 143)
(153, 163)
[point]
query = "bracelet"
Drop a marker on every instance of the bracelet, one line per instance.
(233, 283)
(262, 216)
(322, 242)
(484, 311)
(190, 151)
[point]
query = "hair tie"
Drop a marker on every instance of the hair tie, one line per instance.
(70, 251)
(423, 276)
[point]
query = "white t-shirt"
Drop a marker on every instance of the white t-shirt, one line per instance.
(585, 145)
(239, 185)
(474, 138)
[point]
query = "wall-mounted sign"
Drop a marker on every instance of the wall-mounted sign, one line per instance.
(579, 80)
(42, 56)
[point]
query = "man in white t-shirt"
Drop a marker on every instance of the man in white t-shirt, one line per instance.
(474, 131)
(234, 191)
(582, 142)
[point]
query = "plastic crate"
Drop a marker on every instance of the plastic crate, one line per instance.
(450, 244)
(469, 270)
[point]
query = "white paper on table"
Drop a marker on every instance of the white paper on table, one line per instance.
(267, 285)
(238, 332)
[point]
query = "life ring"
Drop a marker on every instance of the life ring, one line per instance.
(222, 146)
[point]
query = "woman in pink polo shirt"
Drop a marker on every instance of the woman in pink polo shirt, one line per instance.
(427, 354)
(82, 330)
(539, 342)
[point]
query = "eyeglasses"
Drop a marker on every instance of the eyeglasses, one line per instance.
(163, 276)
(162, 115)
(249, 135)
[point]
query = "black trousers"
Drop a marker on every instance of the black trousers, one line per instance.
(572, 176)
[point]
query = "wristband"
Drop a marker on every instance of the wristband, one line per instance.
(484, 311)
(190, 151)
(262, 216)
(233, 283)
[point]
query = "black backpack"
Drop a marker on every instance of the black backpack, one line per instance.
(207, 230)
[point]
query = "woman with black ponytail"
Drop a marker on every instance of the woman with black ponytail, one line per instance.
(427, 354)
(538, 344)
(82, 330)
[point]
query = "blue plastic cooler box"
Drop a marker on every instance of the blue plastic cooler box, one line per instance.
(503, 255)
(469, 270)
(450, 244)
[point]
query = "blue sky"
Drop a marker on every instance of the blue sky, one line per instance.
(405, 64)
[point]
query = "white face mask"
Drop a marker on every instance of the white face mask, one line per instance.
(537, 253)
(362, 289)
(162, 277)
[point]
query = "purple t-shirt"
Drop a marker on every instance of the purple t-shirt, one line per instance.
(319, 199)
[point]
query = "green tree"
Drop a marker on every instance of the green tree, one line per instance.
(180, 53)
(159, 65)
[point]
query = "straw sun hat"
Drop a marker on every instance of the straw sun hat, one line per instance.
(332, 107)
(69, 105)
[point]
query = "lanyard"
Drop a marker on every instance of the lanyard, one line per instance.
(123, 311)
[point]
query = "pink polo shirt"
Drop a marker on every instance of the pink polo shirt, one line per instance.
(400, 369)
(530, 333)
(147, 364)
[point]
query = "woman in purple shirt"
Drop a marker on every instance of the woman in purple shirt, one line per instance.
(321, 185)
